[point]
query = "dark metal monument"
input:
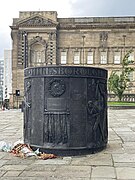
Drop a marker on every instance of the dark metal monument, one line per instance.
(66, 109)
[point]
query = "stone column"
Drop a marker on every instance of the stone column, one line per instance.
(51, 49)
(97, 56)
(111, 56)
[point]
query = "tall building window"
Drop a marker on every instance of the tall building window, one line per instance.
(131, 56)
(130, 76)
(103, 57)
(63, 57)
(117, 58)
(76, 57)
(90, 57)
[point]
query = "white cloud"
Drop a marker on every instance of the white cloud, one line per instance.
(9, 9)
(103, 7)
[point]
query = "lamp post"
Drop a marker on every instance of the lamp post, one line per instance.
(124, 42)
(25, 49)
(83, 37)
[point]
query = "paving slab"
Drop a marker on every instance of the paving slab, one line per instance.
(13, 167)
(125, 173)
(12, 173)
(57, 161)
(98, 159)
(129, 147)
(103, 172)
(124, 158)
(116, 162)
(115, 147)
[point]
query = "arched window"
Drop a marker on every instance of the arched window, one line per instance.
(37, 54)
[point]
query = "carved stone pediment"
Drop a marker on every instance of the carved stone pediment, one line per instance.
(37, 21)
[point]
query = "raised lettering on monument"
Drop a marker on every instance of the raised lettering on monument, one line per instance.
(66, 71)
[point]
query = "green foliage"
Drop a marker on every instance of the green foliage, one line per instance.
(117, 82)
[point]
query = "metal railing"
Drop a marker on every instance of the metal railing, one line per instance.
(125, 98)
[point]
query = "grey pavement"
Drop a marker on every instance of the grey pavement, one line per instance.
(117, 161)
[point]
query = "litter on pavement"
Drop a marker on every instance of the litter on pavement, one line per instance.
(24, 150)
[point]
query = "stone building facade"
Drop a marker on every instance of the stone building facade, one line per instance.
(41, 38)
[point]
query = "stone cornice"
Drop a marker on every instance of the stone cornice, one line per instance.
(97, 26)
(93, 48)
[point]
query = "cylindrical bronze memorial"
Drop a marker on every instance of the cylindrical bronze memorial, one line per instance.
(66, 109)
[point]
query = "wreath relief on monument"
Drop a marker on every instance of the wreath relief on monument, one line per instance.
(57, 87)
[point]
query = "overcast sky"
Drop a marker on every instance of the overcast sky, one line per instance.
(9, 9)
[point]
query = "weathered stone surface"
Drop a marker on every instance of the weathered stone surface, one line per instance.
(15, 161)
(2, 173)
(129, 147)
(125, 173)
(85, 167)
(41, 167)
(13, 167)
(2, 162)
(115, 147)
(56, 161)
(12, 173)
(128, 158)
(99, 159)
(103, 172)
